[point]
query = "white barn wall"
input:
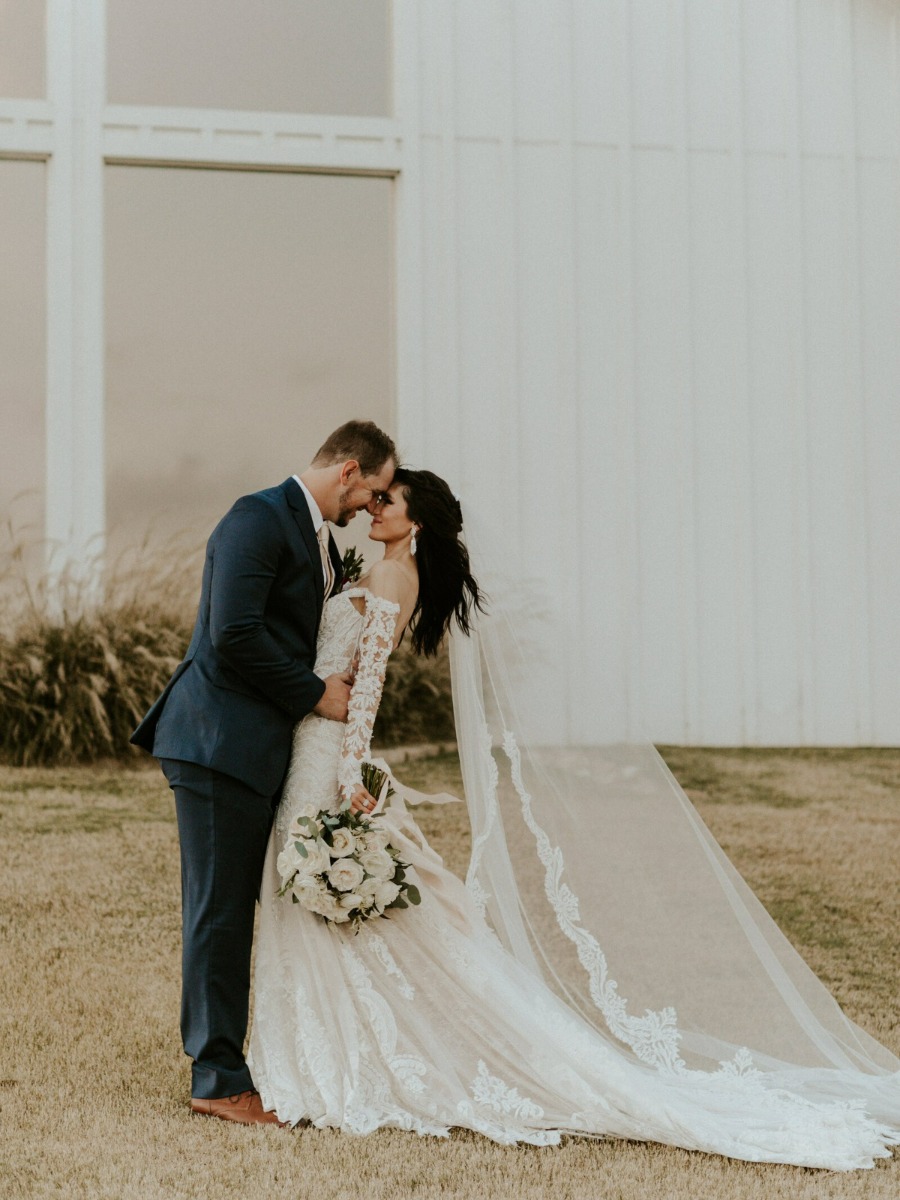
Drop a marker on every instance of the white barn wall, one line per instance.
(657, 273)
(647, 312)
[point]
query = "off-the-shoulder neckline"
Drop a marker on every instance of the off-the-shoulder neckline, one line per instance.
(369, 596)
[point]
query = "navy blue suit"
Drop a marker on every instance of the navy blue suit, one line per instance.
(222, 731)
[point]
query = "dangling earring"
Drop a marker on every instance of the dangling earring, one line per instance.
(412, 541)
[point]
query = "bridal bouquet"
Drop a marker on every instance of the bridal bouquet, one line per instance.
(342, 865)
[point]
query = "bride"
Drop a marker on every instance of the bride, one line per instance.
(603, 970)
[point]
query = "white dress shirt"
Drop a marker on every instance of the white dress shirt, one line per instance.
(317, 519)
(314, 511)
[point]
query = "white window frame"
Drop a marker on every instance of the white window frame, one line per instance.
(77, 134)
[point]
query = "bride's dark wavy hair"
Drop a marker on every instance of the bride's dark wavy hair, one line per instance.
(447, 588)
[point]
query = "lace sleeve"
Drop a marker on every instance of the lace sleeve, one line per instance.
(375, 644)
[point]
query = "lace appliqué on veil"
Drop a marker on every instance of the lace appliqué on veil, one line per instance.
(481, 836)
(796, 1121)
(654, 1037)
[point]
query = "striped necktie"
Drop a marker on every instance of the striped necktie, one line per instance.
(327, 565)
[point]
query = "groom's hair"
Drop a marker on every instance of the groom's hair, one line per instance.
(362, 440)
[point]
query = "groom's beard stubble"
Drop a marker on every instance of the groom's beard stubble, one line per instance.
(346, 513)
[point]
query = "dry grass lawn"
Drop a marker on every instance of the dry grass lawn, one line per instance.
(94, 1085)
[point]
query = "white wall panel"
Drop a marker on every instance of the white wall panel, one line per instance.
(484, 68)
(710, 33)
(435, 38)
(485, 378)
(876, 80)
(835, 481)
(671, 295)
(599, 54)
(604, 450)
(653, 45)
(879, 192)
(717, 402)
(769, 82)
(773, 322)
(662, 346)
(440, 349)
(546, 443)
(824, 47)
(542, 66)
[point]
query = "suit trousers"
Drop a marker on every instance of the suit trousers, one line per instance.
(223, 829)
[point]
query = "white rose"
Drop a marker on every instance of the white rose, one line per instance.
(386, 893)
(306, 888)
(368, 888)
(325, 904)
(343, 842)
(378, 863)
(331, 908)
(351, 900)
(292, 858)
(316, 860)
(318, 857)
(376, 839)
(346, 874)
(288, 861)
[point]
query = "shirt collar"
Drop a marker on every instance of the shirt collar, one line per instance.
(314, 511)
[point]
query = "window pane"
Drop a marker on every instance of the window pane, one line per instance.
(22, 53)
(248, 314)
(316, 56)
(22, 356)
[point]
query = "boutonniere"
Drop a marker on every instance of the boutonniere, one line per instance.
(351, 567)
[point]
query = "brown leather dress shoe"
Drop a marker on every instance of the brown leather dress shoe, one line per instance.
(245, 1108)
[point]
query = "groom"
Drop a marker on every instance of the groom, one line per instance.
(222, 732)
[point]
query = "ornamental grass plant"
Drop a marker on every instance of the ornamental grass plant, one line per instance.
(416, 705)
(80, 666)
(73, 688)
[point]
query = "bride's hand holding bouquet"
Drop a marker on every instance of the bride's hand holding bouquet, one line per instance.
(341, 865)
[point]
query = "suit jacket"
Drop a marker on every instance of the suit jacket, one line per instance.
(247, 677)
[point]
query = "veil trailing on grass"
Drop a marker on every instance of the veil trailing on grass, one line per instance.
(596, 872)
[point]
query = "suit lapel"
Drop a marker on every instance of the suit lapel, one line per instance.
(301, 514)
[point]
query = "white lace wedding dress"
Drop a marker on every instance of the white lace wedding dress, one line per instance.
(424, 1021)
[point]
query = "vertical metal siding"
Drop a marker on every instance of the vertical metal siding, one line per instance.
(661, 314)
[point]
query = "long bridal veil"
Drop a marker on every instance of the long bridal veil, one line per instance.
(596, 872)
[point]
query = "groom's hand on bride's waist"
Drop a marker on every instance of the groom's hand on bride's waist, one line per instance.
(335, 698)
